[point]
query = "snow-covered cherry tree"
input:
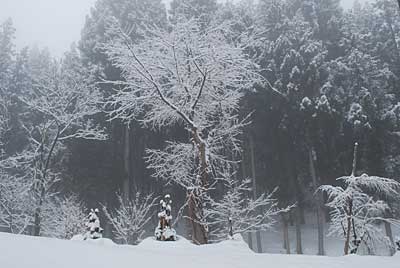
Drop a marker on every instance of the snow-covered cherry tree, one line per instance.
(58, 108)
(189, 75)
(359, 207)
(63, 217)
(237, 212)
(131, 217)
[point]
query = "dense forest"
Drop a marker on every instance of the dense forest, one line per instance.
(310, 81)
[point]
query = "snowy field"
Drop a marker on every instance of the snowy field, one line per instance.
(272, 240)
(34, 252)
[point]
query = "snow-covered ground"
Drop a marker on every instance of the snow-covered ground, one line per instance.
(17, 251)
(272, 240)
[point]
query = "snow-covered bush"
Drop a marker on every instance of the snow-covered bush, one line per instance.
(130, 218)
(16, 210)
(63, 218)
(359, 206)
(238, 213)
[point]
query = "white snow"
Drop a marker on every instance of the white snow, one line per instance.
(17, 251)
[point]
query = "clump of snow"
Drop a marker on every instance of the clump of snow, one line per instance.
(78, 237)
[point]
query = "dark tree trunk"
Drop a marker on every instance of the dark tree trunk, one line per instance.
(348, 230)
(389, 233)
(199, 234)
(253, 175)
(45, 165)
(349, 210)
(388, 230)
(318, 202)
(301, 215)
(195, 201)
(126, 181)
(244, 175)
(299, 248)
(250, 239)
(230, 227)
(296, 213)
(37, 222)
(286, 242)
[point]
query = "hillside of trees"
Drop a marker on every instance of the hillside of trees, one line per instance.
(313, 80)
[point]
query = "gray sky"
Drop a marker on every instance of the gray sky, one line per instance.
(53, 23)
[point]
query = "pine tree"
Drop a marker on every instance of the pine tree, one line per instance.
(93, 227)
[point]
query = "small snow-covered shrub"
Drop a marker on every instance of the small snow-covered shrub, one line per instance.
(130, 218)
(63, 218)
(237, 213)
(16, 210)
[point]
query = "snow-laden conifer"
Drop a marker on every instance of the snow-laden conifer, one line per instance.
(359, 206)
(93, 227)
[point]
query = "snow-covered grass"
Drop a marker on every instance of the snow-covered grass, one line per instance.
(17, 251)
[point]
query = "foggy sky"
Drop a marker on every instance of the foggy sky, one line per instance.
(54, 24)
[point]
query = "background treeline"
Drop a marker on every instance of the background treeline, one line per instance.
(337, 73)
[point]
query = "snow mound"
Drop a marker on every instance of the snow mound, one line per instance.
(77, 238)
(152, 243)
(235, 244)
(99, 241)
